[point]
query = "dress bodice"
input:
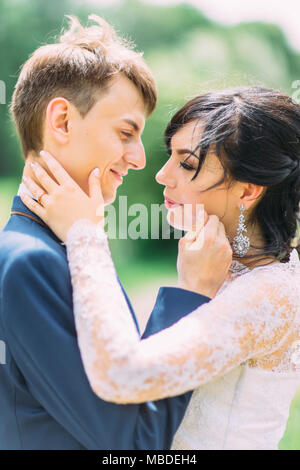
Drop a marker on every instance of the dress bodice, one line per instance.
(248, 407)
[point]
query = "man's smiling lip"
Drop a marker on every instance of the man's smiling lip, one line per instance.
(119, 174)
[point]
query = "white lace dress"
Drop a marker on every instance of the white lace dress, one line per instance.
(239, 352)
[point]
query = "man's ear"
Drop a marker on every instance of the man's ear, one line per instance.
(57, 119)
(251, 194)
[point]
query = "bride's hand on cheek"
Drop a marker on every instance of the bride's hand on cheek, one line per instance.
(63, 202)
(204, 257)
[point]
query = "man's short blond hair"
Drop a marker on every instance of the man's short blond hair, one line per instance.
(79, 67)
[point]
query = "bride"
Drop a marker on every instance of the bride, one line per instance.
(237, 152)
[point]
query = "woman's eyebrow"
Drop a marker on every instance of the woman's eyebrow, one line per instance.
(185, 151)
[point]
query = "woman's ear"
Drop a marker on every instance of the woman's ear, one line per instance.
(251, 194)
(57, 119)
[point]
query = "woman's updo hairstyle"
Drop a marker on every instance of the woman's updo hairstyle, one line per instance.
(255, 133)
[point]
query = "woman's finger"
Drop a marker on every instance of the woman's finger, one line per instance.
(201, 219)
(33, 187)
(42, 176)
(61, 175)
(95, 190)
(33, 206)
(221, 229)
(225, 240)
(95, 193)
(211, 227)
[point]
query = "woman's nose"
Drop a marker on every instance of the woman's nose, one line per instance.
(164, 177)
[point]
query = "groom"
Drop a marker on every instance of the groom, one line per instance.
(85, 100)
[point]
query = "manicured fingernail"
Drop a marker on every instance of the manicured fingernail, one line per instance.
(43, 153)
(96, 172)
(25, 178)
(33, 164)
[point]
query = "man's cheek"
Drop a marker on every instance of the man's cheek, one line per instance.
(115, 151)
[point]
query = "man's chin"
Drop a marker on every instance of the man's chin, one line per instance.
(110, 197)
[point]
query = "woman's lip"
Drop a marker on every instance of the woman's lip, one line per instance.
(171, 204)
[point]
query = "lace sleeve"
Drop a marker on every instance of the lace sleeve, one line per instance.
(249, 318)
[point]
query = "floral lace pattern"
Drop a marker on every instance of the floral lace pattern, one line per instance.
(251, 324)
(245, 409)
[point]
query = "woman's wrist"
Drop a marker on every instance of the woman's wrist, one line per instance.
(203, 289)
(84, 229)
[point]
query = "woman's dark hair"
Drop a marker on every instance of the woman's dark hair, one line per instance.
(255, 133)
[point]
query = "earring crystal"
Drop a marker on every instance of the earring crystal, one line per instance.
(241, 243)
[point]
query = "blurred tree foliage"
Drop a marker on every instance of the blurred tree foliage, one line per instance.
(188, 54)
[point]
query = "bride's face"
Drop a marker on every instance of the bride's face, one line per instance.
(184, 198)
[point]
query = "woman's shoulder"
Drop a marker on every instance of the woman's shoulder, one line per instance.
(269, 282)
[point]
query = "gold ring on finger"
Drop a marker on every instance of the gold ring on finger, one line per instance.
(40, 197)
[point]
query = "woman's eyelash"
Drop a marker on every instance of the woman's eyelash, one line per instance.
(186, 166)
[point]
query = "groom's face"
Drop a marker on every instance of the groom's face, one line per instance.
(108, 137)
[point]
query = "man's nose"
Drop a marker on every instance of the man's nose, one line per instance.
(136, 157)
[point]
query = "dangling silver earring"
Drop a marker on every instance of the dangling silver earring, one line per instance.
(241, 243)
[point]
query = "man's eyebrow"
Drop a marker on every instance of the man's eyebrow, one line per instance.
(133, 124)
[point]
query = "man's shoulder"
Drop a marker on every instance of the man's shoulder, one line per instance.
(24, 251)
(33, 272)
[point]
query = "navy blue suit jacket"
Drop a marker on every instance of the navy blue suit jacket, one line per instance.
(46, 399)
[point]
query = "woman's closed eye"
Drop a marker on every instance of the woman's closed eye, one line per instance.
(186, 166)
(190, 163)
